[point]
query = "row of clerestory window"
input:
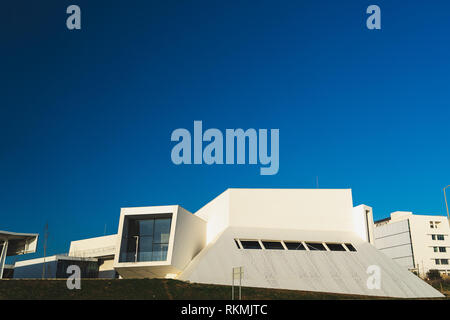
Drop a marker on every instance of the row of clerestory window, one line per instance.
(293, 245)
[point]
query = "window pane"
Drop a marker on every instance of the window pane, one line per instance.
(162, 230)
(237, 243)
(130, 250)
(335, 247)
(160, 252)
(145, 227)
(294, 245)
(350, 247)
(250, 244)
(273, 245)
(315, 246)
(145, 248)
(444, 261)
(133, 228)
(442, 249)
(131, 244)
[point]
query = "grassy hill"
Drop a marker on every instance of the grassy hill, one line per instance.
(147, 289)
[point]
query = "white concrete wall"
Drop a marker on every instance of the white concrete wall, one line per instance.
(303, 209)
(216, 213)
(106, 269)
(394, 240)
(94, 247)
(189, 240)
(363, 222)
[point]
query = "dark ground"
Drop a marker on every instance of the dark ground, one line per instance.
(155, 289)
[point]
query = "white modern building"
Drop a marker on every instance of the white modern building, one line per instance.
(417, 242)
(299, 239)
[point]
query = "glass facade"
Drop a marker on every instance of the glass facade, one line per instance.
(146, 240)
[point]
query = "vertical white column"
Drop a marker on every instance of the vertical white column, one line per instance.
(3, 257)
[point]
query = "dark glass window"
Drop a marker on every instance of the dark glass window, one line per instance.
(89, 269)
(315, 246)
(440, 237)
(444, 261)
(291, 245)
(335, 247)
(442, 249)
(250, 244)
(273, 245)
(350, 247)
(237, 243)
(146, 240)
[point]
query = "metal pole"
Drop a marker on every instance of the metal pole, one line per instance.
(232, 283)
(45, 249)
(3, 257)
(137, 248)
(446, 204)
(240, 283)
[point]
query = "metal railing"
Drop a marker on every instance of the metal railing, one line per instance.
(93, 252)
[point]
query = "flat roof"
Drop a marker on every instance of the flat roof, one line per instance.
(50, 259)
(7, 235)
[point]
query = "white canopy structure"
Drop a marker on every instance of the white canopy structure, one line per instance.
(12, 243)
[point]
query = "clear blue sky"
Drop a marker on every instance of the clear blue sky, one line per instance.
(86, 116)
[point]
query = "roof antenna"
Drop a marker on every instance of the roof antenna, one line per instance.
(45, 248)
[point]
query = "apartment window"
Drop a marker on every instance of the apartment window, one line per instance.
(435, 249)
(434, 224)
(444, 261)
(442, 249)
(437, 237)
(291, 245)
(315, 246)
(273, 245)
(437, 261)
(335, 247)
(250, 244)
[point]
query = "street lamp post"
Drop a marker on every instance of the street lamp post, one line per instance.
(446, 204)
